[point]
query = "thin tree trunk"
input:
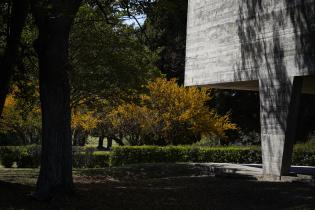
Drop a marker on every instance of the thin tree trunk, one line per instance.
(75, 138)
(109, 143)
(100, 142)
(83, 138)
(55, 175)
(7, 63)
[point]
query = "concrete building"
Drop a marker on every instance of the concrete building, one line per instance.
(260, 45)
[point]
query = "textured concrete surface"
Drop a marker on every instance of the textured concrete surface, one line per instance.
(260, 45)
(278, 116)
(240, 40)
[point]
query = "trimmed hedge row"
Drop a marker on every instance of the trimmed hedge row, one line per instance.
(152, 154)
(29, 157)
(91, 160)
(304, 156)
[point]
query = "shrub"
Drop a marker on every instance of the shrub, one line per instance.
(153, 154)
(91, 160)
(19, 116)
(29, 157)
(303, 155)
(8, 158)
(82, 158)
(146, 154)
(169, 115)
(101, 159)
(241, 155)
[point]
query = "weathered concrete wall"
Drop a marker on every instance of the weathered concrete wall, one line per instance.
(236, 40)
(265, 45)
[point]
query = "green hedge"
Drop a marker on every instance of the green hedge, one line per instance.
(152, 154)
(91, 160)
(304, 156)
(29, 157)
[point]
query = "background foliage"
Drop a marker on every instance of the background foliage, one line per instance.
(169, 114)
(111, 61)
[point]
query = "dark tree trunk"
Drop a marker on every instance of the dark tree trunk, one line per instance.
(55, 175)
(75, 138)
(79, 138)
(118, 141)
(8, 61)
(100, 142)
(83, 138)
(109, 143)
(56, 166)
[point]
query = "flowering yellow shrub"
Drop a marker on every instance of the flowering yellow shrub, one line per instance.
(131, 121)
(169, 114)
(84, 120)
(21, 120)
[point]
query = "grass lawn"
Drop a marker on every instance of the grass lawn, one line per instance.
(156, 186)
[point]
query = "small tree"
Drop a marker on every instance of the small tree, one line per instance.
(169, 114)
(82, 123)
(21, 119)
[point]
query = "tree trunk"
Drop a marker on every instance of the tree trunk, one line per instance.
(75, 138)
(118, 140)
(55, 175)
(83, 138)
(109, 143)
(7, 63)
(100, 142)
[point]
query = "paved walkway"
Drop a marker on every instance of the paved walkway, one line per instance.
(254, 171)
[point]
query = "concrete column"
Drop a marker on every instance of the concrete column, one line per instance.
(279, 100)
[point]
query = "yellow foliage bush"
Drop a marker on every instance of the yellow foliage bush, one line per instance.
(131, 122)
(21, 120)
(84, 120)
(169, 114)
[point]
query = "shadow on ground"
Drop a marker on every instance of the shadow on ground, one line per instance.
(159, 186)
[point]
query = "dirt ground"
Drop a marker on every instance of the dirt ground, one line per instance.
(157, 186)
